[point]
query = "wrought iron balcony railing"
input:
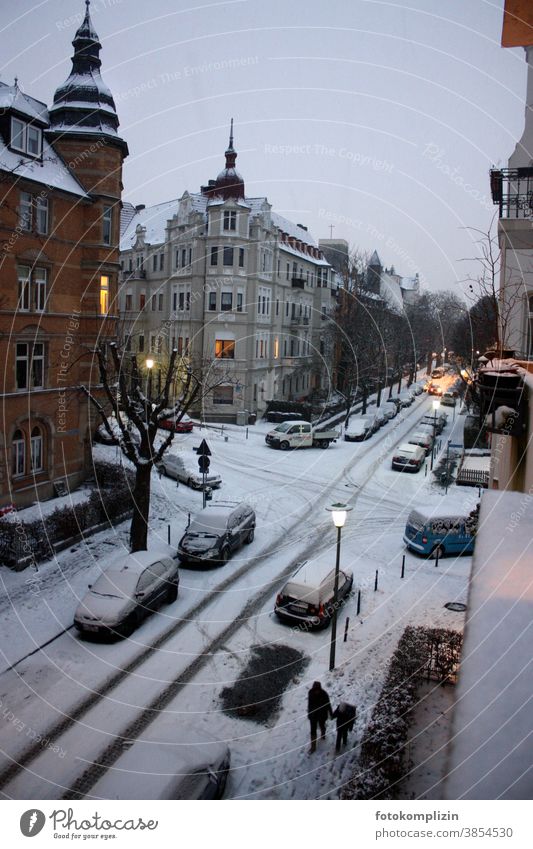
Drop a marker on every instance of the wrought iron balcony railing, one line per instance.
(512, 191)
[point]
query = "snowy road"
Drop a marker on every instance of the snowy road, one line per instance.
(86, 697)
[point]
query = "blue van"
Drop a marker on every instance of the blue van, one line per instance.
(432, 533)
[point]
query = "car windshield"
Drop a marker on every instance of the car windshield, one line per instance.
(116, 584)
(284, 427)
(210, 523)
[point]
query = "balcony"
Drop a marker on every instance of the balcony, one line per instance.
(298, 282)
(134, 274)
(299, 321)
(512, 192)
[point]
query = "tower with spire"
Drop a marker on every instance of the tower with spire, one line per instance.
(229, 183)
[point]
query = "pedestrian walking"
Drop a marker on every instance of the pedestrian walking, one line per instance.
(345, 716)
(318, 712)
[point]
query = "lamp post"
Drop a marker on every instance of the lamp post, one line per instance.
(149, 365)
(338, 514)
(436, 405)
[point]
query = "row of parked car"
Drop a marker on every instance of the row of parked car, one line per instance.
(410, 456)
(363, 427)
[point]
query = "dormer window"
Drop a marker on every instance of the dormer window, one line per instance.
(26, 137)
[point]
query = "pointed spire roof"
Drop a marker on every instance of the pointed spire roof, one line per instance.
(375, 260)
(229, 183)
(84, 104)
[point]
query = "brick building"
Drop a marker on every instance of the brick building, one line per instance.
(60, 196)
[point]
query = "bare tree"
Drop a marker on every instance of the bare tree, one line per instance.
(121, 382)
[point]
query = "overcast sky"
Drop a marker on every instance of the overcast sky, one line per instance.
(379, 118)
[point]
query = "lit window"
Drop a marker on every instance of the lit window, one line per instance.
(19, 453)
(36, 442)
(276, 348)
(225, 349)
(104, 294)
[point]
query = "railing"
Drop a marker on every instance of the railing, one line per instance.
(134, 274)
(298, 282)
(512, 191)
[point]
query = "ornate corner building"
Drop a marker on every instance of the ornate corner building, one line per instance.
(60, 198)
(226, 281)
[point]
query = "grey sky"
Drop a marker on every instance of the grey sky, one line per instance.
(381, 118)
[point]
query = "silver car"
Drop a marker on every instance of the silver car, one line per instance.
(181, 469)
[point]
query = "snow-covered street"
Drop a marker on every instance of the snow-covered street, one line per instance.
(82, 697)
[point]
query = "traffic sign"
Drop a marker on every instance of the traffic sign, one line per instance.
(203, 450)
(203, 463)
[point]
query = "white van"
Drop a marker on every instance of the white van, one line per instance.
(307, 597)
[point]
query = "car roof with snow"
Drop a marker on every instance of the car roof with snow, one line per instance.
(310, 576)
(407, 448)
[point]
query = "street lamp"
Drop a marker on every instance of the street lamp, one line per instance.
(149, 365)
(436, 405)
(338, 514)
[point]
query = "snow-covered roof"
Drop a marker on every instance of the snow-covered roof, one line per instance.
(295, 230)
(11, 97)
(490, 752)
(409, 283)
(50, 171)
(154, 218)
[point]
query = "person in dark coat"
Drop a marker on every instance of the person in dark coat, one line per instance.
(318, 711)
(345, 716)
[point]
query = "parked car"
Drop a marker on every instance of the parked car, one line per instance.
(182, 469)
(127, 591)
(423, 438)
(102, 435)
(307, 597)
(183, 425)
(360, 429)
(440, 420)
(448, 399)
(408, 458)
(441, 533)
(279, 416)
(216, 532)
(381, 417)
(176, 762)
(390, 409)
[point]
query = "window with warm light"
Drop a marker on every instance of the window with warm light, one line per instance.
(104, 294)
(276, 348)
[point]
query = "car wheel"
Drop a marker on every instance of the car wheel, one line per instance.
(438, 550)
(172, 593)
(224, 556)
(284, 445)
(191, 483)
(250, 537)
(324, 443)
(129, 625)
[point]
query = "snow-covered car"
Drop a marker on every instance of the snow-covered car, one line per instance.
(423, 438)
(216, 532)
(448, 399)
(101, 434)
(174, 762)
(182, 469)
(408, 458)
(381, 417)
(390, 409)
(308, 596)
(182, 425)
(439, 420)
(131, 588)
(360, 429)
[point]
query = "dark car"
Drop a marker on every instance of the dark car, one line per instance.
(216, 532)
(131, 588)
(280, 416)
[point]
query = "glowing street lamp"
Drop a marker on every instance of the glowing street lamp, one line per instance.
(149, 365)
(338, 514)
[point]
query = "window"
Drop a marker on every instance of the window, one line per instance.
(177, 259)
(214, 255)
(26, 137)
(226, 301)
(174, 301)
(180, 345)
(288, 271)
(107, 225)
(104, 294)
(29, 365)
(19, 453)
(230, 219)
(228, 256)
(181, 301)
(276, 348)
(241, 257)
(142, 300)
(128, 303)
(160, 302)
(154, 262)
(225, 349)
(161, 262)
(154, 303)
(41, 214)
(141, 343)
(277, 306)
(223, 395)
(24, 288)
(36, 453)
(239, 301)
(212, 301)
(183, 257)
(39, 287)
(25, 216)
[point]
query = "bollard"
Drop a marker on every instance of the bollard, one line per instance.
(426, 470)
(358, 602)
(403, 566)
(376, 581)
(437, 557)
(188, 519)
(346, 628)
(168, 527)
(246, 433)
